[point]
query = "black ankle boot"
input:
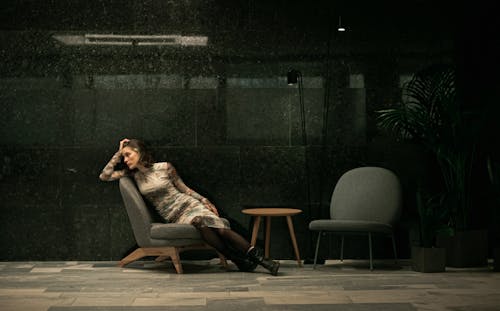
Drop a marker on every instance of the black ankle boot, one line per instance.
(257, 256)
(241, 261)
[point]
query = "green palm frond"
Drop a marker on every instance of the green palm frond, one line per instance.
(395, 120)
(427, 100)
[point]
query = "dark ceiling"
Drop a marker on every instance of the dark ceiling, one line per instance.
(154, 16)
(261, 25)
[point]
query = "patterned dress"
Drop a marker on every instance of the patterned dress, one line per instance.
(165, 190)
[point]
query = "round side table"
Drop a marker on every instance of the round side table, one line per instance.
(269, 212)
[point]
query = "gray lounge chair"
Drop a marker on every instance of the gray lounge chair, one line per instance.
(366, 200)
(165, 240)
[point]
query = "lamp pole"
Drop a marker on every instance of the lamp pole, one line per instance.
(295, 77)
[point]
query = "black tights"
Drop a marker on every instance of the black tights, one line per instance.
(221, 238)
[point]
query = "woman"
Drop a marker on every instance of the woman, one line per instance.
(177, 203)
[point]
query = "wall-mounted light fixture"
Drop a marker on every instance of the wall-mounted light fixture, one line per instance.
(132, 40)
(340, 27)
(292, 76)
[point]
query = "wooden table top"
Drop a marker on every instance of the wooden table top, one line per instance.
(271, 211)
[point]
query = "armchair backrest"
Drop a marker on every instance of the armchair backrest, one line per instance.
(367, 193)
(138, 213)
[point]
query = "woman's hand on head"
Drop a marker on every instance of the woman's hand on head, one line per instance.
(122, 142)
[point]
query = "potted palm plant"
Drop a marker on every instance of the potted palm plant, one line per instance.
(426, 257)
(494, 176)
(431, 114)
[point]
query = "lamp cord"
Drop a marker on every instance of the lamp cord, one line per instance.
(326, 106)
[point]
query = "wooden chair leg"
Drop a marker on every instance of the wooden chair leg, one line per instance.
(135, 255)
(164, 253)
(161, 258)
(176, 260)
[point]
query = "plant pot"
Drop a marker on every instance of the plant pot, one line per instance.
(428, 259)
(467, 248)
(496, 259)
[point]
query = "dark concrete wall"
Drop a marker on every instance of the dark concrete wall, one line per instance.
(222, 114)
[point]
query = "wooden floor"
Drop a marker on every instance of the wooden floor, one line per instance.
(205, 285)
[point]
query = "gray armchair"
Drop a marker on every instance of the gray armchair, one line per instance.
(366, 200)
(154, 238)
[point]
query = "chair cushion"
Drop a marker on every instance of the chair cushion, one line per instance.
(349, 226)
(174, 231)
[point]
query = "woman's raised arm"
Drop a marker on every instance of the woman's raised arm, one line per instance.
(108, 172)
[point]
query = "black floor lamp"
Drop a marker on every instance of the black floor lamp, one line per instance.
(295, 77)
